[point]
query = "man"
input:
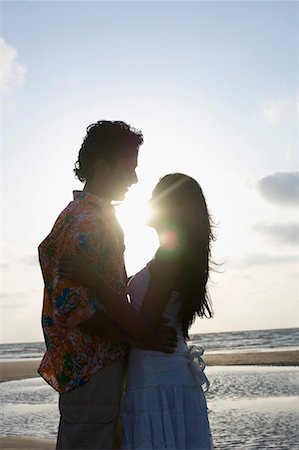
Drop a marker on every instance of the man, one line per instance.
(85, 349)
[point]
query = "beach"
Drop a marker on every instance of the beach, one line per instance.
(18, 370)
(22, 369)
(26, 443)
(27, 369)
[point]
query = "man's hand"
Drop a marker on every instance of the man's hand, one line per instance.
(80, 269)
(164, 340)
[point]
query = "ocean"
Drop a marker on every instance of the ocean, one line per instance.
(250, 407)
(234, 341)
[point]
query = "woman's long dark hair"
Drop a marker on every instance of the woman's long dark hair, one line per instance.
(180, 205)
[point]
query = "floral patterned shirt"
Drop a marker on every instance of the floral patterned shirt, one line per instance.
(72, 357)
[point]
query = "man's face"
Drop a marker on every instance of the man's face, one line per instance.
(123, 175)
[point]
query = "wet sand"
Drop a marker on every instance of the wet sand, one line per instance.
(18, 370)
(21, 369)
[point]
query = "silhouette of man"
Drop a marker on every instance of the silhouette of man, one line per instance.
(85, 353)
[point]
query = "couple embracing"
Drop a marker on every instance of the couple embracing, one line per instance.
(100, 326)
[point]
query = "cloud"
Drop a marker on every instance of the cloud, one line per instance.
(275, 111)
(287, 233)
(12, 72)
(281, 188)
(258, 259)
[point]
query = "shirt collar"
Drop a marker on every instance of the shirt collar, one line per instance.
(84, 195)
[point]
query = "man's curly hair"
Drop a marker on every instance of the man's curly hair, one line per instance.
(105, 140)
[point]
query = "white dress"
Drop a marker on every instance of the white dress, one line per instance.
(164, 406)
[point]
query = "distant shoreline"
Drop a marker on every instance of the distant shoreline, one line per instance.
(23, 368)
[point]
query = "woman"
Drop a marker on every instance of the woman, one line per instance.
(164, 405)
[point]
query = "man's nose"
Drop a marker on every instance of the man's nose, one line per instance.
(134, 178)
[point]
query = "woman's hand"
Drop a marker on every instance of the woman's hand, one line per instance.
(79, 268)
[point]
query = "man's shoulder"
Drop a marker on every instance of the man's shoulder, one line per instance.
(80, 214)
(77, 218)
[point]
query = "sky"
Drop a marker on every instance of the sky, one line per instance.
(214, 88)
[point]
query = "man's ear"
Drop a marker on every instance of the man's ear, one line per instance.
(102, 166)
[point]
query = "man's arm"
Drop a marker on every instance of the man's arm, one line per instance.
(133, 322)
(101, 325)
(74, 304)
(78, 306)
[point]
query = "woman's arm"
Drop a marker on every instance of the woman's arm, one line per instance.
(132, 321)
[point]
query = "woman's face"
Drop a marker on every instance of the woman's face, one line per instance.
(160, 212)
(154, 208)
(153, 217)
(164, 218)
(173, 212)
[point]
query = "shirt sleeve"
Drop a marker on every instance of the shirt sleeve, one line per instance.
(73, 303)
